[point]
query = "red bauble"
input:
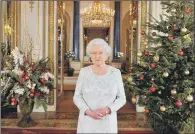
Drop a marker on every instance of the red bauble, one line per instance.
(13, 103)
(130, 70)
(32, 90)
(188, 10)
(142, 32)
(153, 65)
(175, 27)
(178, 104)
(32, 94)
(147, 110)
(141, 77)
(147, 53)
(154, 33)
(37, 94)
(152, 89)
(180, 52)
(26, 77)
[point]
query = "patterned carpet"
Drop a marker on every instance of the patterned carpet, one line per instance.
(127, 122)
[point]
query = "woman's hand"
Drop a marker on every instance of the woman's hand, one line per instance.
(93, 114)
(103, 111)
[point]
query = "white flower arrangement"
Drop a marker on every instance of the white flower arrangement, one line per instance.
(31, 80)
(69, 54)
(119, 54)
(18, 57)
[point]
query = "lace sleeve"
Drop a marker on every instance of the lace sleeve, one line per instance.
(120, 97)
(78, 96)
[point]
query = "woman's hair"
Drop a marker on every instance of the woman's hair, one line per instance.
(99, 42)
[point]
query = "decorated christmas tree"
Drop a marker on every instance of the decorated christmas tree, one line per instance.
(163, 78)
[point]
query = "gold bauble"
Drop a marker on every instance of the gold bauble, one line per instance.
(156, 58)
(187, 72)
(165, 74)
(139, 54)
(133, 100)
(183, 30)
(129, 79)
(189, 98)
(173, 92)
(186, 36)
(162, 108)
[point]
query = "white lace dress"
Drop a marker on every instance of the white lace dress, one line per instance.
(94, 92)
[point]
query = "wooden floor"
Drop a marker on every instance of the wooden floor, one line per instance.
(65, 104)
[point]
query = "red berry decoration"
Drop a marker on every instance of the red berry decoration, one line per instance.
(153, 65)
(178, 104)
(26, 78)
(32, 94)
(188, 10)
(141, 77)
(154, 33)
(43, 81)
(21, 80)
(13, 99)
(142, 32)
(170, 37)
(23, 74)
(180, 53)
(37, 94)
(175, 27)
(152, 89)
(32, 90)
(147, 53)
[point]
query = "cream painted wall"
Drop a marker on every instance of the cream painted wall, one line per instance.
(31, 28)
(69, 10)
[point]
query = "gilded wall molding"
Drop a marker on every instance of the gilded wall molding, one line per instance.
(143, 23)
(51, 44)
(14, 24)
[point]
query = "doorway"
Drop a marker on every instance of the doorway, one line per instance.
(92, 33)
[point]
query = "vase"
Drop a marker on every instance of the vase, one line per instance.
(70, 73)
(26, 108)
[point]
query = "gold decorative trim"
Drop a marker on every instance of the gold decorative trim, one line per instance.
(12, 23)
(31, 5)
(143, 23)
(51, 44)
(25, 30)
(38, 29)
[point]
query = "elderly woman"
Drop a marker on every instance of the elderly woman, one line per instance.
(99, 92)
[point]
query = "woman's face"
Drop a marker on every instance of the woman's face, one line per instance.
(98, 55)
